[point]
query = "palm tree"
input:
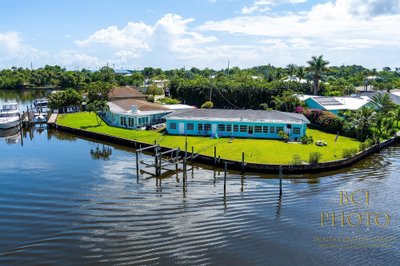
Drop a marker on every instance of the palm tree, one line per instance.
(300, 73)
(317, 66)
(291, 69)
(361, 121)
(99, 107)
(382, 102)
(396, 115)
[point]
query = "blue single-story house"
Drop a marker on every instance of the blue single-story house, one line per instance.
(236, 123)
(134, 114)
(335, 104)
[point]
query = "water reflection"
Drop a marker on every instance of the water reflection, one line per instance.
(11, 136)
(23, 97)
(101, 153)
(57, 201)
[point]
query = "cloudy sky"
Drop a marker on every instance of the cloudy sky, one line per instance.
(202, 33)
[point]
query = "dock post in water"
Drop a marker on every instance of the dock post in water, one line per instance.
(137, 166)
(280, 179)
(225, 173)
(191, 157)
(215, 156)
(242, 163)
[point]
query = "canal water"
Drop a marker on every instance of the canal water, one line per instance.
(62, 202)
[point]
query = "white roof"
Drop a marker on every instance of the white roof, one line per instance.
(303, 97)
(395, 93)
(178, 106)
(348, 103)
(338, 103)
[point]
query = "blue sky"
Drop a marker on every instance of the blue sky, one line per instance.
(201, 33)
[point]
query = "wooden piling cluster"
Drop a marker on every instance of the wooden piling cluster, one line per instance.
(164, 158)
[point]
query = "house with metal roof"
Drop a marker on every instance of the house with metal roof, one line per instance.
(130, 109)
(335, 104)
(236, 123)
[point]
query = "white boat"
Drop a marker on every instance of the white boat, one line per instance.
(9, 115)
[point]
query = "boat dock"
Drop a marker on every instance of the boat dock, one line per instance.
(52, 120)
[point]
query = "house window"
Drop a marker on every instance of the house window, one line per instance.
(265, 129)
(189, 126)
(236, 128)
(272, 130)
(200, 127)
(207, 127)
(123, 121)
(131, 122)
(172, 125)
(229, 128)
(258, 129)
(243, 128)
(221, 127)
(279, 129)
(296, 130)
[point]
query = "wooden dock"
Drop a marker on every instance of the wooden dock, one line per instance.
(52, 120)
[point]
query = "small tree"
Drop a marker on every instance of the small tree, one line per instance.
(153, 90)
(98, 107)
(207, 105)
(283, 135)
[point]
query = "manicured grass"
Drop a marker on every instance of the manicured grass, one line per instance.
(256, 150)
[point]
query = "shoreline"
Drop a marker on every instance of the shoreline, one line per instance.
(237, 165)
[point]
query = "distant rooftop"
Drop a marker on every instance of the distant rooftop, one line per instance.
(178, 106)
(125, 92)
(125, 106)
(240, 116)
(337, 103)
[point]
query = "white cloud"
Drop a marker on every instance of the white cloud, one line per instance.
(323, 24)
(72, 57)
(168, 38)
(133, 35)
(265, 5)
(13, 50)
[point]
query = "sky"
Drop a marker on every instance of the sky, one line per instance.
(198, 33)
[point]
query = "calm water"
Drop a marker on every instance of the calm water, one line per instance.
(61, 205)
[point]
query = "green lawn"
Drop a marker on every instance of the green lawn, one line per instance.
(256, 150)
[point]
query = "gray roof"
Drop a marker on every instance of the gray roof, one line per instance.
(234, 115)
(370, 94)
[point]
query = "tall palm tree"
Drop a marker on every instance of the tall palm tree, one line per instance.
(317, 66)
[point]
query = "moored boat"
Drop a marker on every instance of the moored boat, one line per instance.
(9, 115)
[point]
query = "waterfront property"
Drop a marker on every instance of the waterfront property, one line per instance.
(237, 123)
(335, 104)
(133, 114)
(129, 109)
(256, 150)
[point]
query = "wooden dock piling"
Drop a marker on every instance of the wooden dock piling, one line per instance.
(225, 173)
(280, 179)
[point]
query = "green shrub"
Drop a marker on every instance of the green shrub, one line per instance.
(150, 98)
(348, 153)
(296, 160)
(370, 142)
(307, 140)
(207, 105)
(283, 135)
(315, 157)
(363, 146)
(168, 100)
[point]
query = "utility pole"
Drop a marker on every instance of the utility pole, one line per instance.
(212, 84)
